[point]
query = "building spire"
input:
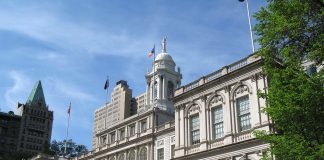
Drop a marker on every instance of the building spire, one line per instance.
(37, 95)
(164, 45)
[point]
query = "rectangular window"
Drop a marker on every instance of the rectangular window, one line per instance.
(143, 126)
(243, 110)
(217, 115)
(195, 129)
(122, 134)
(112, 137)
(103, 139)
(132, 130)
(172, 151)
(160, 154)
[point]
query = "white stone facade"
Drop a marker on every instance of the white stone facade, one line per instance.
(227, 110)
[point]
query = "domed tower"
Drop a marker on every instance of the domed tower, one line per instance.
(160, 89)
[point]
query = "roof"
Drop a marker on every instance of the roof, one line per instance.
(163, 56)
(37, 95)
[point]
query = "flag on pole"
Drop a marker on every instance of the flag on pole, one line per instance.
(150, 54)
(106, 84)
(241, 0)
(69, 109)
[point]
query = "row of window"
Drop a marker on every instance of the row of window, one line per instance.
(37, 112)
(32, 147)
(243, 118)
(131, 155)
(122, 133)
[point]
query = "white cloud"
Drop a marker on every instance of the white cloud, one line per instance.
(74, 37)
(19, 90)
(70, 91)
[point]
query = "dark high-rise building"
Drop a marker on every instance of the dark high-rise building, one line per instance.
(29, 131)
(9, 132)
(36, 122)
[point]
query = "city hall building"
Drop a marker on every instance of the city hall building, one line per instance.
(210, 118)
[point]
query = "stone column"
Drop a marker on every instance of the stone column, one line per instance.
(177, 126)
(203, 122)
(228, 114)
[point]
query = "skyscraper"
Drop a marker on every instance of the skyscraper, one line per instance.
(36, 122)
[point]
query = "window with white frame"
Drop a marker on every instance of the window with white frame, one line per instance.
(112, 137)
(143, 126)
(143, 154)
(122, 134)
(103, 139)
(131, 130)
(243, 112)
(160, 154)
(218, 126)
(131, 155)
(195, 129)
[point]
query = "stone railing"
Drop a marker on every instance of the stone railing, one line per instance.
(213, 75)
(242, 136)
(193, 149)
(237, 65)
(219, 73)
(191, 86)
(217, 143)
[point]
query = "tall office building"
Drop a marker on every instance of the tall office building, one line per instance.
(36, 122)
(118, 109)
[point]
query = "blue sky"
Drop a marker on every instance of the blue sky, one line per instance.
(71, 46)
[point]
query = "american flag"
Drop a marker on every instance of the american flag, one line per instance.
(150, 54)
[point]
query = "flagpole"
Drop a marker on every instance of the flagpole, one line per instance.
(153, 98)
(251, 32)
(67, 129)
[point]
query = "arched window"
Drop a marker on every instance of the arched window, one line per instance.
(243, 113)
(217, 120)
(121, 157)
(143, 154)
(195, 129)
(131, 155)
(170, 90)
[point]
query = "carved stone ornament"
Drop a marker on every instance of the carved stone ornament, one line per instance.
(226, 89)
(203, 98)
(260, 75)
(216, 99)
(241, 90)
(194, 108)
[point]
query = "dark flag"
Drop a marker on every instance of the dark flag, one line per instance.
(241, 0)
(106, 84)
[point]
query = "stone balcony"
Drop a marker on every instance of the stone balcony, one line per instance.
(217, 74)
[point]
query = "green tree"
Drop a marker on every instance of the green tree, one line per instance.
(72, 149)
(291, 32)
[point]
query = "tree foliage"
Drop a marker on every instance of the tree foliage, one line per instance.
(291, 32)
(72, 149)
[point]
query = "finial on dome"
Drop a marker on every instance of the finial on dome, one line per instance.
(164, 45)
